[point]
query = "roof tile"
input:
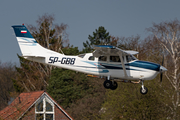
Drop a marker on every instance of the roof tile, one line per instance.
(20, 105)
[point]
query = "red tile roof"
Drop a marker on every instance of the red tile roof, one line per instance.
(20, 105)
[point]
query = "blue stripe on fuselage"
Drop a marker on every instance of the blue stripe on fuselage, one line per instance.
(138, 64)
(145, 65)
(105, 46)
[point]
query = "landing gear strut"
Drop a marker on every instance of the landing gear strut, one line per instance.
(143, 89)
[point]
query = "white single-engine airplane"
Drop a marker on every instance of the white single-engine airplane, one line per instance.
(106, 61)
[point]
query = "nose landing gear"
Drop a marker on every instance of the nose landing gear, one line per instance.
(143, 89)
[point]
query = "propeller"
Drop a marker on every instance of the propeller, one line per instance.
(161, 75)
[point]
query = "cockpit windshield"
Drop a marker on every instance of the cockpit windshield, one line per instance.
(81, 55)
(130, 58)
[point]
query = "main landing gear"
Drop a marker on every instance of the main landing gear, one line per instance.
(108, 84)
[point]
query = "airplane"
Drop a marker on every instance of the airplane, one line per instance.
(109, 62)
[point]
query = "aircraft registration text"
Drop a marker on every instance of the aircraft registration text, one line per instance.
(63, 60)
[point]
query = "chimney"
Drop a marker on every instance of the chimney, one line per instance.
(19, 100)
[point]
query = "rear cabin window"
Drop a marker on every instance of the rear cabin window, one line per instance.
(91, 58)
(115, 59)
(103, 58)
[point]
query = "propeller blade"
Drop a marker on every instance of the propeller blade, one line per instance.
(161, 75)
(162, 61)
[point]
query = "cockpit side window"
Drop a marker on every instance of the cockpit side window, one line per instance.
(103, 58)
(115, 59)
(91, 58)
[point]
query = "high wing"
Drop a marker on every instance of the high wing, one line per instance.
(111, 50)
(132, 52)
(101, 50)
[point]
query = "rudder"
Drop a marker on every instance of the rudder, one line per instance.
(22, 31)
(28, 45)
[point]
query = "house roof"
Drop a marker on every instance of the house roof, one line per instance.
(23, 103)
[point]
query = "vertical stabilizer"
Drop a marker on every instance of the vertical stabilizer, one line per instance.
(28, 45)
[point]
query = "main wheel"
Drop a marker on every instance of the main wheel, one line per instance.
(114, 85)
(107, 84)
(144, 91)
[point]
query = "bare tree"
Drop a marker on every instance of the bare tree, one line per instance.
(168, 35)
(129, 43)
(62, 36)
(46, 23)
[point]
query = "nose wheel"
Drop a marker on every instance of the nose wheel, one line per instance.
(143, 89)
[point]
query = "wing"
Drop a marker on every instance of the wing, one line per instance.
(112, 50)
(132, 52)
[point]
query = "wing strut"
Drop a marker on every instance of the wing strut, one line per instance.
(122, 61)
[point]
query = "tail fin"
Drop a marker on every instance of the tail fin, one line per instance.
(28, 45)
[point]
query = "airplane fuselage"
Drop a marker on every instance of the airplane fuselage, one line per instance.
(135, 69)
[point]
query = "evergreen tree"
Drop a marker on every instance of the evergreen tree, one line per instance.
(67, 86)
(99, 37)
(71, 50)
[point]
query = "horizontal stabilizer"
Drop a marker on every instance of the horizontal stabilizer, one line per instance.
(33, 56)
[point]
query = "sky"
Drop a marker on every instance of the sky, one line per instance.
(121, 18)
